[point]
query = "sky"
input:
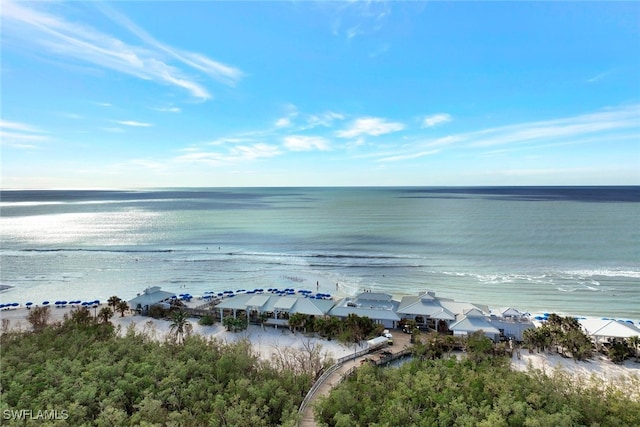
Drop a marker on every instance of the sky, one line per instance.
(306, 93)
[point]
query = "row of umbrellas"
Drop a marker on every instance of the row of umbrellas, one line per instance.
(545, 316)
(287, 291)
(61, 303)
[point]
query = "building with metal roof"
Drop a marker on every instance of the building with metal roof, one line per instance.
(277, 308)
(433, 312)
(151, 296)
(379, 307)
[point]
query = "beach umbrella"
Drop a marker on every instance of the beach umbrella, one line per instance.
(45, 302)
(29, 304)
(15, 304)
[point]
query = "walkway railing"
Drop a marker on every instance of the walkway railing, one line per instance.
(320, 381)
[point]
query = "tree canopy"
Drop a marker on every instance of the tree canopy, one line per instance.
(103, 379)
(448, 392)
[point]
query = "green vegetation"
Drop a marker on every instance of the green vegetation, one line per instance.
(100, 377)
(84, 367)
(206, 320)
(448, 392)
(352, 329)
(234, 324)
(562, 334)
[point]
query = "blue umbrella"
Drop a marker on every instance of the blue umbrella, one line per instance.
(29, 304)
(45, 302)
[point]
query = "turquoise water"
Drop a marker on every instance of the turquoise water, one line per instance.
(570, 250)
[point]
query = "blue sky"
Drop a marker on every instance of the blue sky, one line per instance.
(159, 94)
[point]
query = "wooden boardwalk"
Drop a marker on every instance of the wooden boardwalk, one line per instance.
(345, 366)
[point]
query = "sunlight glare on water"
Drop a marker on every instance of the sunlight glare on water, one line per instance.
(115, 228)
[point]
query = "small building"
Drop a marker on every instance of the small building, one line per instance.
(511, 327)
(607, 330)
(151, 296)
(379, 307)
(473, 321)
(275, 309)
(425, 309)
(432, 312)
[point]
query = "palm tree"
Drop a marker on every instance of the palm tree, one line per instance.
(113, 302)
(180, 326)
(296, 320)
(122, 307)
(105, 314)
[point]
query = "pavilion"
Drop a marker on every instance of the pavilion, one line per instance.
(150, 296)
(473, 321)
(276, 308)
(379, 307)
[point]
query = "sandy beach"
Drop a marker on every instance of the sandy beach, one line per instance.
(268, 340)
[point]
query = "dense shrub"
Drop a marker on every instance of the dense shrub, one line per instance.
(448, 392)
(102, 379)
(206, 320)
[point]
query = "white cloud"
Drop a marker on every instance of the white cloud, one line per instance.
(435, 119)
(408, 156)
(550, 130)
(133, 123)
(168, 109)
(235, 154)
(373, 126)
(305, 143)
(20, 135)
(325, 119)
(283, 122)
(148, 61)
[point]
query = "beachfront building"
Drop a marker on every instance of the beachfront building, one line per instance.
(434, 313)
(272, 309)
(379, 307)
(150, 297)
(473, 321)
(606, 331)
(511, 327)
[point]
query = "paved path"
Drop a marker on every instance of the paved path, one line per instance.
(401, 342)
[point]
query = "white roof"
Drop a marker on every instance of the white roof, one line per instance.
(509, 311)
(257, 301)
(424, 306)
(270, 302)
(150, 296)
(616, 329)
(285, 303)
(473, 324)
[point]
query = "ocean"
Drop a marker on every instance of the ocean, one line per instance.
(571, 250)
